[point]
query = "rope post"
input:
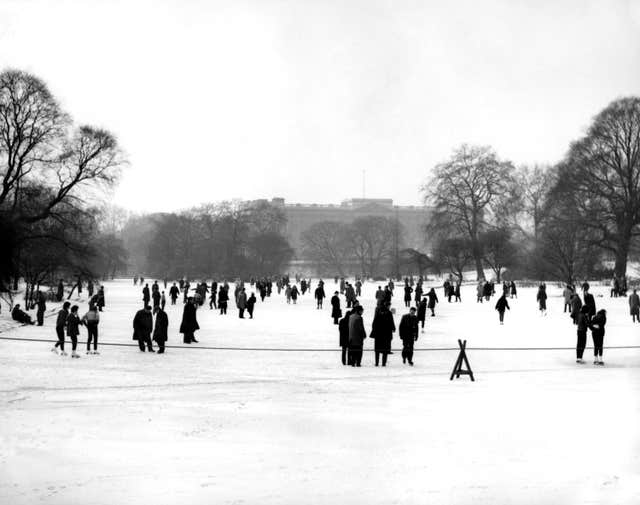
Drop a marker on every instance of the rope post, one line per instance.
(462, 357)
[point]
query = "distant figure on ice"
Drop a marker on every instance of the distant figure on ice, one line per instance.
(163, 301)
(90, 288)
(422, 311)
(287, 293)
(382, 330)
(501, 305)
(241, 302)
(61, 323)
(567, 292)
(319, 295)
(294, 293)
(73, 330)
(576, 305)
(160, 330)
(409, 334)
(479, 292)
(541, 297)
(407, 294)
(173, 293)
(189, 324)
(583, 323)
(101, 302)
(597, 333)
(634, 306)
(223, 299)
(146, 295)
(142, 327)
(358, 287)
(456, 292)
(433, 299)
(91, 320)
(350, 295)
(336, 312)
(343, 330)
(514, 290)
(251, 303)
(214, 295)
(156, 298)
(357, 335)
(42, 307)
(590, 302)
(60, 292)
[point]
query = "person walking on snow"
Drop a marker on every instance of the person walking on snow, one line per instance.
(583, 323)
(61, 323)
(91, 320)
(433, 299)
(634, 306)
(541, 297)
(597, 325)
(408, 331)
(501, 305)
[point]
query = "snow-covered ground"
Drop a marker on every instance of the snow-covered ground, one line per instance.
(214, 427)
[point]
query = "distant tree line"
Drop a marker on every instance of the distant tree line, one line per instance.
(227, 239)
(53, 174)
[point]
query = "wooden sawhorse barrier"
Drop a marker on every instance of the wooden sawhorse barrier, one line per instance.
(462, 357)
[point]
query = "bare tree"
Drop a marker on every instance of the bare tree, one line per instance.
(468, 193)
(603, 168)
(371, 241)
(534, 184)
(455, 254)
(325, 244)
(498, 249)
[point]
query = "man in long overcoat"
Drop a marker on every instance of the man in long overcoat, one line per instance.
(142, 327)
(189, 323)
(382, 330)
(357, 335)
(409, 334)
(160, 329)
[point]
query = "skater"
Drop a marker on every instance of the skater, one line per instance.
(42, 307)
(576, 305)
(251, 303)
(542, 299)
(91, 320)
(358, 287)
(433, 299)
(583, 323)
(173, 293)
(634, 306)
(456, 293)
(163, 301)
(319, 294)
(146, 296)
(160, 330)
(480, 292)
(343, 329)
(60, 291)
(336, 312)
(357, 335)
(101, 303)
(514, 291)
(156, 298)
(382, 330)
(223, 298)
(214, 294)
(61, 323)
(422, 311)
(597, 325)
(73, 330)
(590, 302)
(409, 334)
(189, 324)
(90, 289)
(241, 303)
(501, 305)
(287, 293)
(407, 294)
(294, 293)
(142, 327)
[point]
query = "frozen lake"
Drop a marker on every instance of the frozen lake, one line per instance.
(211, 426)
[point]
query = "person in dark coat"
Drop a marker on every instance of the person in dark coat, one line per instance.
(576, 305)
(17, 314)
(160, 330)
(73, 330)
(60, 291)
(343, 329)
(294, 293)
(142, 327)
(90, 288)
(320, 296)
(173, 293)
(223, 299)
(422, 311)
(542, 299)
(357, 335)
(146, 295)
(456, 292)
(634, 306)
(407, 294)
(91, 320)
(241, 303)
(189, 324)
(514, 290)
(501, 305)
(382, 330)
(597, 325)
(156, 298)
(336, 312)
(42, 307)
(101, 302)
(408, 330)
(583, 323)
(590, 302)
(61, 323)
(251, 303)
(433, 299)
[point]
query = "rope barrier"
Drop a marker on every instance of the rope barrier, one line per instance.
(301, 349)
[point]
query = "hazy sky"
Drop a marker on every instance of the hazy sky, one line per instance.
(213, 100)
